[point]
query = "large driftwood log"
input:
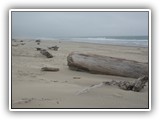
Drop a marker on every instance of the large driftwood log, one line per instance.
(106, 65)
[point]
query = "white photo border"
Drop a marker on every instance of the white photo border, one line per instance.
(78, 10)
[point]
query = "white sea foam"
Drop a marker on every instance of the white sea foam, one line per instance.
(117, 40)
(114, 41)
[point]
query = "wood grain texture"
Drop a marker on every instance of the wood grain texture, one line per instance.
(98, 64)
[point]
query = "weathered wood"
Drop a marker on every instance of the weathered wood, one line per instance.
(38, 41)
(135, 86)
(106, 65)
(50, 69)
(46, 53)
(38, 49)
(76, 77)
(54, 48)
(140, 83)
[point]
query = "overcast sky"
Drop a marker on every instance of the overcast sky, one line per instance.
(76, 24)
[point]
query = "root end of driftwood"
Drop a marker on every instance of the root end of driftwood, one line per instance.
(136, 86)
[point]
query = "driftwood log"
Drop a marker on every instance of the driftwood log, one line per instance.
(38, 49)
(98, 64)
(54, 48)
(50, 69)
(135, 86)
(38, 41)
(46, 53)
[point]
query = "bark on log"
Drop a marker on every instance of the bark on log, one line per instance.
(50, 69)
(106, 65)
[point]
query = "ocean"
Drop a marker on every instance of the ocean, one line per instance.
(113, 40)
(140, 41)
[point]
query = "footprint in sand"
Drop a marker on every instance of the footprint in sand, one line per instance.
(23, 100)
(28, 100)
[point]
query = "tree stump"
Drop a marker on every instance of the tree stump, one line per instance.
(98, 64)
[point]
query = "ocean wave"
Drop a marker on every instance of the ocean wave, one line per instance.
(113, 41)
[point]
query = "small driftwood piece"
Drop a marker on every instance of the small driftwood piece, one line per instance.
(46, 53)
(38, 41)
(50, 69)
(98, 64)
(38, 49)
(76, 77)
(54, 48)
(135, 86)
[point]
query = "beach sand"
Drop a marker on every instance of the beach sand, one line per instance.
(33, 88)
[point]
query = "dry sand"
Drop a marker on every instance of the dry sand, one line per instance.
(33, 88)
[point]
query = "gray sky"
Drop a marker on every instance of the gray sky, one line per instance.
(72, 24)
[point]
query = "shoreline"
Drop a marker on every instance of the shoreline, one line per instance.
(61, 40)
(108, 44)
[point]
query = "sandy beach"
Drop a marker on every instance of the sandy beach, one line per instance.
(33, 88)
